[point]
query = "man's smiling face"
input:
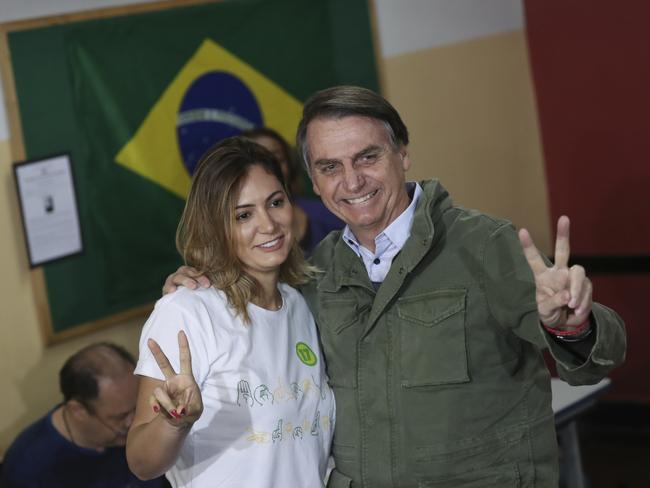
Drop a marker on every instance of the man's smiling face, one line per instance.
(358, 173)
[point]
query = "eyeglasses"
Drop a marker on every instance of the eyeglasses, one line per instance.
(118, 432)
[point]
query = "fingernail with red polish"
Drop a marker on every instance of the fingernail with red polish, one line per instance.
(174, 414)
(156, 408)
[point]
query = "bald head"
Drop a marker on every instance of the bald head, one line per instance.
(82, 373)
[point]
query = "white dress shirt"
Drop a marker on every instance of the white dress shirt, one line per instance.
(389, 242)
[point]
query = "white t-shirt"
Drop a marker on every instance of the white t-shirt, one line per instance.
(268, 415)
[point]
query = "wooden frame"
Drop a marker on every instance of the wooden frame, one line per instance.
(31, 177)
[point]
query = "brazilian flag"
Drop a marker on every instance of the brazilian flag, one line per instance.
(137, 99)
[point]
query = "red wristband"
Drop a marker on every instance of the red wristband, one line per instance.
(571, 332)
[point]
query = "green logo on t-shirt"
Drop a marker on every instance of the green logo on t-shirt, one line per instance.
(305, 354)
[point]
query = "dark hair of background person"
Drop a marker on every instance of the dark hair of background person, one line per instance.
(205, 236)
(79, 376)
(289, 155)
(344, 101)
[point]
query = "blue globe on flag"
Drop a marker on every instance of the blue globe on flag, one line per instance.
(215, 106)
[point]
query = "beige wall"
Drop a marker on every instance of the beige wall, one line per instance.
(471, 112)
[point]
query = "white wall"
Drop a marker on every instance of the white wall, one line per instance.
(29, 9)
(410, 25)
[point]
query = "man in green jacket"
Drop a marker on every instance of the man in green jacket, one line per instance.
(433, 317)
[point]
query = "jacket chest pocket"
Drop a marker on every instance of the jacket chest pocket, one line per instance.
(432, 333)
(339, 319)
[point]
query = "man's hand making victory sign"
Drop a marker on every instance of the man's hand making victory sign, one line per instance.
(563, 294)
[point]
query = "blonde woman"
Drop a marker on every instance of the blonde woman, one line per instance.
(239, 396)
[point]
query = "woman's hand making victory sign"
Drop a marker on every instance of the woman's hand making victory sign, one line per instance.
(179, 397)
(563, 294)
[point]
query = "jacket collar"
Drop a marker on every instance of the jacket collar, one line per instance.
(346, 269)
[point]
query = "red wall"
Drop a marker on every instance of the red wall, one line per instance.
(591, 69)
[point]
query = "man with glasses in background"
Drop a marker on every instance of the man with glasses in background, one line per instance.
(80, 443)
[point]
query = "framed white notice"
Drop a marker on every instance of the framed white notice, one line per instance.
(48, 207)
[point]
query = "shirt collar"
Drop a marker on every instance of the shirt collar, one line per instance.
(397, 232)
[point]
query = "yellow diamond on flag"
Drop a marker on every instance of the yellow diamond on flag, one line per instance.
(154, 151)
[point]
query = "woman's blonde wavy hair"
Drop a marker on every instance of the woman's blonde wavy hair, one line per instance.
(205, 235)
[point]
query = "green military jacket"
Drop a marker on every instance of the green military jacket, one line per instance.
(438, 375)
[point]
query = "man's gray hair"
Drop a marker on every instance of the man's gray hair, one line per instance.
(345, 101)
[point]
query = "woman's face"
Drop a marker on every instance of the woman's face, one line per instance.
(263, 222)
